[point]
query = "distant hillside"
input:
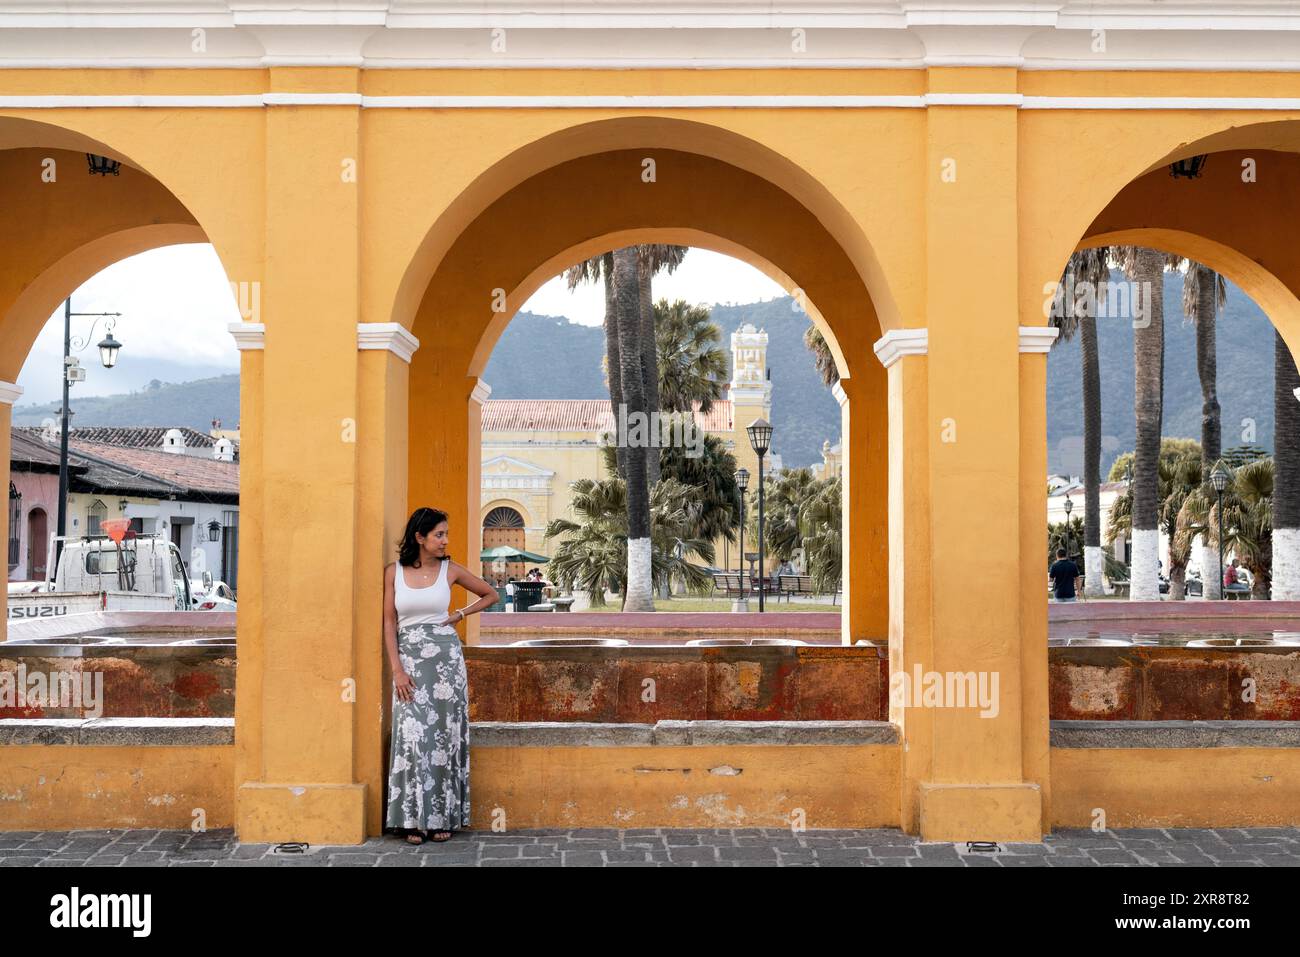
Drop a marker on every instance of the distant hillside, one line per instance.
(1245, 381)
(194, 404)
(545, 357)
(804, 413)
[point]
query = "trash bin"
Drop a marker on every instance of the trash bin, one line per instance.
(503, 601)
(527, 594)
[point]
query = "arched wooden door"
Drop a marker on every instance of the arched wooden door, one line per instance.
(503, 526)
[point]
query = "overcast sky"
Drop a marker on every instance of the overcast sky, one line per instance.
(176, 304)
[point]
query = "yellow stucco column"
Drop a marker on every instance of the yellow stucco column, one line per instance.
(474, 504)
(1035, 342)
(902, 352)
(9, 393)
(250, 339)
(864, 427)
(383, 385)
(303, 782)
(445, 448)
(977, 786)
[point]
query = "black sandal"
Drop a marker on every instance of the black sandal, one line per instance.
(433, 836)
(413, 836)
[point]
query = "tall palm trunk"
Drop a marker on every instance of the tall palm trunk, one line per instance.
(612, 360)
(639, 595)
(649, 358)
(1146, 268)
(1093, 562)
(1286, 474)
(1206, 308)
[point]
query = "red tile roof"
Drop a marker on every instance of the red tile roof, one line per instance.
(576, 415)
(139, 437)
(190, 472)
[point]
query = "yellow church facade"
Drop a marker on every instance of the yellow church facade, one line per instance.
(387, 183)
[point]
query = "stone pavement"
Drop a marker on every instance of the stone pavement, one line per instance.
(662, 847)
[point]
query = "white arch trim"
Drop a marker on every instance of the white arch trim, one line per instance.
(897, 343)
(389, 336)
(248, 335)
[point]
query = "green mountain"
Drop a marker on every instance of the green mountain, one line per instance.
(804, 413)
(545, 357)
(172, 404)
(1245, 382)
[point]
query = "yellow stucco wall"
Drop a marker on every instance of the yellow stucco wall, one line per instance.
(78, 787)
(856, 207)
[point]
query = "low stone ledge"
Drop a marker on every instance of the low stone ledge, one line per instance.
(118, 732)
(561, 734)
(538, 734)
(1175, 734)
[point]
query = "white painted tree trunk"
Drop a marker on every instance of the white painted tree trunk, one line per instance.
(1094, 565)
(1286, 564)
(1210, 578)
(1145, 573)
(640, 595)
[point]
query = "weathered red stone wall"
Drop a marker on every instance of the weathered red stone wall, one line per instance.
(644, 685)
(164, 681)
(1174, 684)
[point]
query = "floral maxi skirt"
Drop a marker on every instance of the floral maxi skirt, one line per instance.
(428, 777)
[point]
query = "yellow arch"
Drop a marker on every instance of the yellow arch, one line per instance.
(650, 133)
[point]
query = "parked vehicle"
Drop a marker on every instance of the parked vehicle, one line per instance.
(143, 573)
(209, 595)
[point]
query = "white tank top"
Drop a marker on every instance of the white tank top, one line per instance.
(421, 606)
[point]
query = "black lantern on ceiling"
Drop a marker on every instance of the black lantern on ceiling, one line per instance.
(1189, 168)
(102, 165)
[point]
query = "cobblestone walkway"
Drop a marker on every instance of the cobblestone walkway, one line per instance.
(662, 847)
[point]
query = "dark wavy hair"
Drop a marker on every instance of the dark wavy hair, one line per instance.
(422, 522)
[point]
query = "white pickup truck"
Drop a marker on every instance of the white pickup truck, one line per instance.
(145, 573)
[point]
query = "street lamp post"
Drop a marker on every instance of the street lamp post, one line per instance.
(742, 483)
(72, 372)
(1069, 507)
(1219, 479)
(760, 437)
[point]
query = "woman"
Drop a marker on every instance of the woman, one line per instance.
(428, 778)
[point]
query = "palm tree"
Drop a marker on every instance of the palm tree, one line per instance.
(711, 479)
(692, 366)
(1286, 474)
(1145, 267)
(786, 495)
(594, 553)
(1092, 268)
(816, 343)
(639, 596)
(1248, 522)
(1204, 294)
(651, 259)
(822, 528)
(711, 476)
(601, 268)
(1180, 478)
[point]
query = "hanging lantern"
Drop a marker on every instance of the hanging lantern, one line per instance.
(1189, 168)
(102, 165)
(108, 347)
